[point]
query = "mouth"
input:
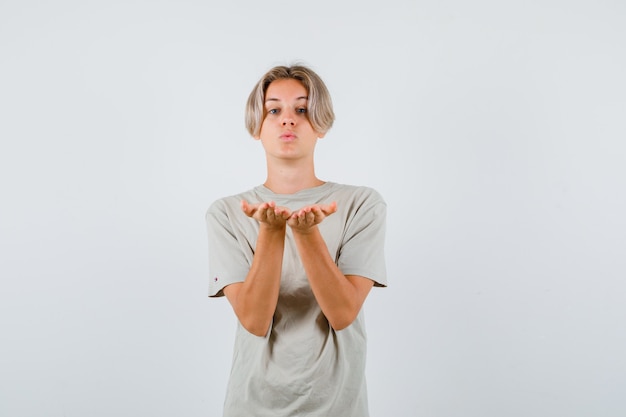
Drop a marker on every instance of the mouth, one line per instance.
(288, 137)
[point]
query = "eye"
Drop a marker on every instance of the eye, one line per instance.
(272, 111)
(301, 110)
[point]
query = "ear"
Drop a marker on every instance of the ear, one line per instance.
(321, 135)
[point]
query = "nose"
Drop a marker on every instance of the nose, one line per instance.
(288, 119)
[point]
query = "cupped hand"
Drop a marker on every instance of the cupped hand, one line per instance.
(267, 213)
(307, 217)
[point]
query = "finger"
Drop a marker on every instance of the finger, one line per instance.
(256, 210)
(291, 221)
(318, 211)
(270, 214)
(247, 208)
(282, 213)
(265, 206)
(298, 217)
(329, 208)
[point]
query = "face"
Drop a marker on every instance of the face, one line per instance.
(286, 132)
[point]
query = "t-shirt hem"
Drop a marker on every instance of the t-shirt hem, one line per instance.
(378, 281)
(217, 290)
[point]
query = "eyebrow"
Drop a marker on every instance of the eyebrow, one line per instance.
(276, 99)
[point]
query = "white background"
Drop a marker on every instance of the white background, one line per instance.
(494, 130)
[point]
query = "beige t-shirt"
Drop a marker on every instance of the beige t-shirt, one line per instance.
(302, 367)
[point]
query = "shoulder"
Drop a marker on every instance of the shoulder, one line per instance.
(358, 194)
(227, 205)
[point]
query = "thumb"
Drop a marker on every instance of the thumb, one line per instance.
(245, 207)
(330, 208)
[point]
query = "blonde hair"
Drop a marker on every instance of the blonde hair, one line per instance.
(319, 107)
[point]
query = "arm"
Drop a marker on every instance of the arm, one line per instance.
(254, 300)
(340, 296)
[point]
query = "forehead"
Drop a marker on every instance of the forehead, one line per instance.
(286, 89)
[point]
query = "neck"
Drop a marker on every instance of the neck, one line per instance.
(289, 178)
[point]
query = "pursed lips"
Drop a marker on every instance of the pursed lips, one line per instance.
(288, 136)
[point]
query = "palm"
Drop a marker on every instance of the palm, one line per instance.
(310, 216)
(267, 213)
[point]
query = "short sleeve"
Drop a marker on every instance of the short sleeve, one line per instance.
(230, 254)
(362, 251)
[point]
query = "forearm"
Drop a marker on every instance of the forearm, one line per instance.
(339, 299)
(254, 301)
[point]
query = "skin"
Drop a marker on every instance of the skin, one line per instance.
(289, 141)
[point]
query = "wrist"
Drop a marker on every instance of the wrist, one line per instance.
(309, 231)
(272, 228)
